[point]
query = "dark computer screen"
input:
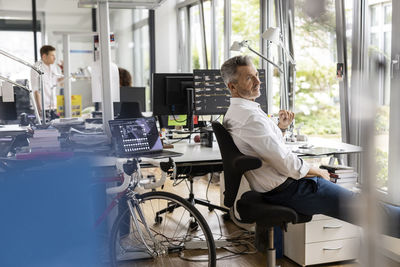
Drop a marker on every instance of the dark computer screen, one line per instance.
(133, 94)
(127, 106)
(22, 98)
(211, 96)
(8, 110)
(170, 93)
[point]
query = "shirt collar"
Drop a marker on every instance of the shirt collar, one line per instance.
(244, 102)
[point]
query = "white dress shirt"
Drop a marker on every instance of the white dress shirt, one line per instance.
(255, 134)
(50, 76)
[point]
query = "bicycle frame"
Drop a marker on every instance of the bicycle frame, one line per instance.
(129, 183)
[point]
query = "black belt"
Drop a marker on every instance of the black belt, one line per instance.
(282, 187)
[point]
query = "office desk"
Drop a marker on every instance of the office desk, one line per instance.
(326, 147)
(194, 152)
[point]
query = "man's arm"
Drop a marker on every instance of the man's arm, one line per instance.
(38, 102)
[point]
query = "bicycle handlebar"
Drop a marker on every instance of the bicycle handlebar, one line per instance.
(164, 166)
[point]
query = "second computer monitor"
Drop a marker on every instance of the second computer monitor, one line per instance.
(133, 94)
(212, 97)
(170, 93)
(8, 110)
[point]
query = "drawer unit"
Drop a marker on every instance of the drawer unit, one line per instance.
(331, 251)
(333, 229)
(322, 240)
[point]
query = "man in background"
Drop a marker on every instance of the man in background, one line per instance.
(50, 77)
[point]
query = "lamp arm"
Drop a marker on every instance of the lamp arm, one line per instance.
(14, 83)
(291, 59)
(266, 59)
(21, 61)
(30, 95)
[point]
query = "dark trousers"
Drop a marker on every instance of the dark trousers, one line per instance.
(316, 195)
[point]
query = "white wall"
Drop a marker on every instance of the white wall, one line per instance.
(166, 37)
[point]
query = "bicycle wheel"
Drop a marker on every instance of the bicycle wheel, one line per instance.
(178, 233)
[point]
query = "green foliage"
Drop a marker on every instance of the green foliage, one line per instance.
(246, 24)
(315, 30)
(317, 90)
(195, 59)
(317, 98)
(382, 168)
(382, 120)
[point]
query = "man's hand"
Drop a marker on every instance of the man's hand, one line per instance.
(285, 119)
(324, 174)
(318, 172)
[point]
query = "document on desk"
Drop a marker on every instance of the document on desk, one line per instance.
(316, 151)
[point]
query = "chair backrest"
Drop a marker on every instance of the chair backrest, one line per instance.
(234, 162)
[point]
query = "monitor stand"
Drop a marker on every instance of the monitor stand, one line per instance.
(190, 107)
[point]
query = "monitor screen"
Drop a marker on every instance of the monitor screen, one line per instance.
(133, 94)
(8, 110)
(212, 97)
(135, 136)
(170, 93)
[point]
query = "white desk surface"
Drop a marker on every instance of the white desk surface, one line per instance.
(193, 152)
(342, 148)
(12, 128)
(196, 153)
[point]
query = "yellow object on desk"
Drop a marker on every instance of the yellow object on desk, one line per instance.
(76, 105)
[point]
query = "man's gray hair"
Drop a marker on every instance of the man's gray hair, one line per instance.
(229, 68)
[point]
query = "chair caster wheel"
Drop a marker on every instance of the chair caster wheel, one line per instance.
(193, 225)
(226, 217)
(158, 219)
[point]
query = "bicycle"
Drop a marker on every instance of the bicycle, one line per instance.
(141, 232)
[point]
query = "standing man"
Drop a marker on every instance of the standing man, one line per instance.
(50, 78)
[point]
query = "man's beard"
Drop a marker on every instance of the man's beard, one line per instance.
(249, 95)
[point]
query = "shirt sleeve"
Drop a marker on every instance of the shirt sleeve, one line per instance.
(268, 144)
(34, 81)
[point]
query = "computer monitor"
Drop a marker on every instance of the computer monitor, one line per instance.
(22, 98)
(127, 95)
(170, 95)
(8, 110)
(212, 97)
(133, 94)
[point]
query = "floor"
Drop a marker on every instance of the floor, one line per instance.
(221, 228)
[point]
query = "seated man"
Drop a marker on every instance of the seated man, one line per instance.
(283, 178)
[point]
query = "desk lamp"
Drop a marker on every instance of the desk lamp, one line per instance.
(40, 72)
(237, 46)
(273, 35)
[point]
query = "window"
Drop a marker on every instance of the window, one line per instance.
(132, 46)
(317, 89)
(245, 26)
(379, 48)
(16, 28)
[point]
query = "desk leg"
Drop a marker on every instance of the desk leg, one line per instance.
(340, 158)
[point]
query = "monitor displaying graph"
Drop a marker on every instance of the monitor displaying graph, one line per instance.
(211, 95)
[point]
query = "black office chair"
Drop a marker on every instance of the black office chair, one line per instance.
(251, 207)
